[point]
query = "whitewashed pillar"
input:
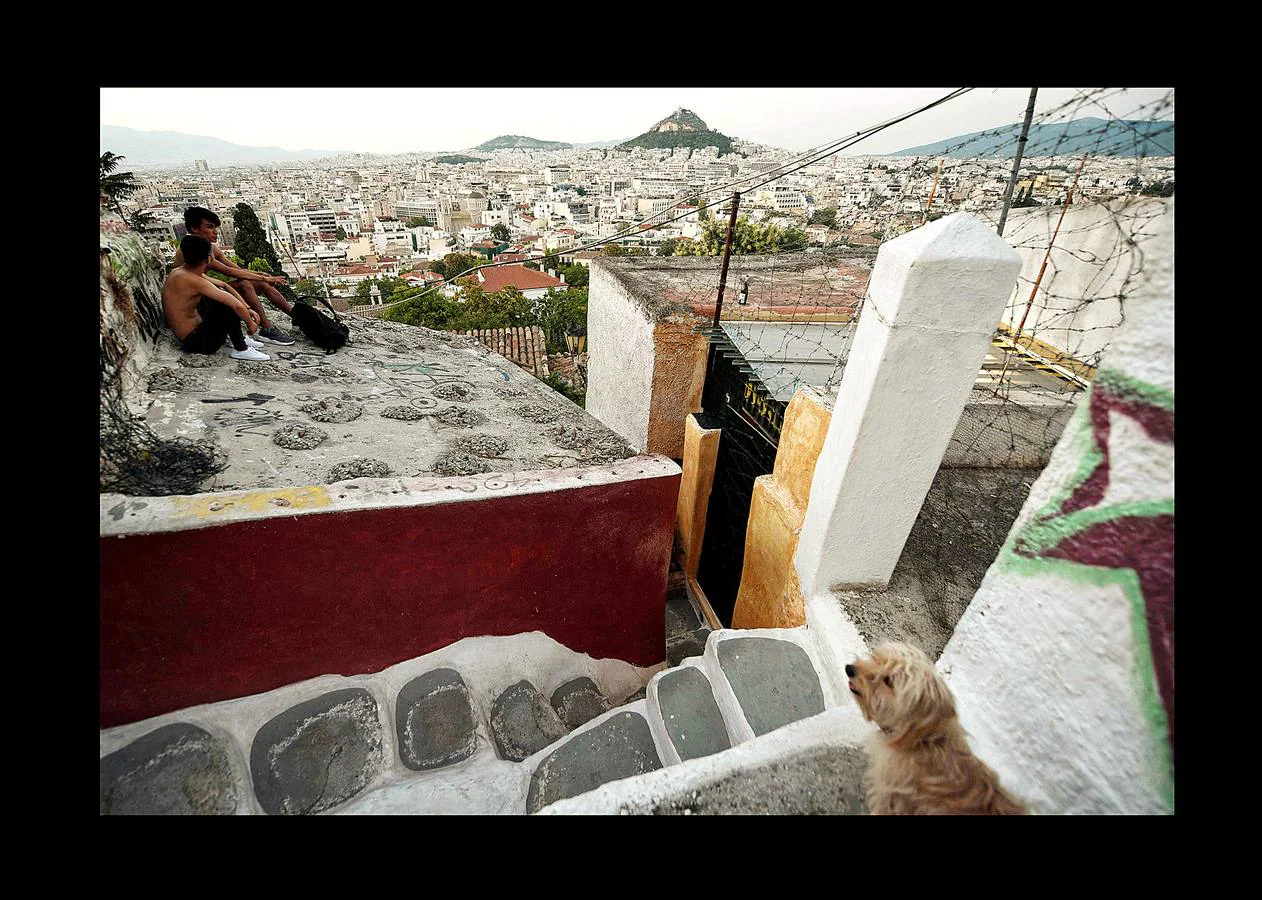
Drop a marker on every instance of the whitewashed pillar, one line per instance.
(935, 298)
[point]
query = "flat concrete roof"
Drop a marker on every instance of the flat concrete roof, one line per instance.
(398, 400)
(826, 284)
(786, 355)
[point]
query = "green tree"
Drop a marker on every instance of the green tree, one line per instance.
(425, 307)
(575, 275)
(499, 232)
(612, 250)
(341, 233)
(308, 287)
(387, 284)
(116, 186)
(561, 312)
(826, 216)
(419, 222)
(251, 243)
(747, 237)
(667, 247)
(453, 264)
(258, 264)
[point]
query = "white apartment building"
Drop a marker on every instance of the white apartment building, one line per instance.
(418, 207)
(556, 174)
(348, 223)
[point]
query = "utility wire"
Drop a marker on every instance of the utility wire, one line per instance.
(830, 149)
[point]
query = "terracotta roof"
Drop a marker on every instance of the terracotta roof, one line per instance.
(516, 276)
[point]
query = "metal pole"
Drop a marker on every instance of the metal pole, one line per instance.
(727, 255)
(1016, 337)
(933, 190)
(1016, 163)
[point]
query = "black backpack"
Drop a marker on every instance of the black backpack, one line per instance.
(324, 332)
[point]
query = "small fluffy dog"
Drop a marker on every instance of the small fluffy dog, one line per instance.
(920, 762)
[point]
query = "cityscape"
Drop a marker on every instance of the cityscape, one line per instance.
(364, 217)
(683, 473)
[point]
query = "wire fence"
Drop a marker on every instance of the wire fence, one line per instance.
(1092, 190)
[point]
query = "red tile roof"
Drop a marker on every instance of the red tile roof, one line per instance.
(516, 276)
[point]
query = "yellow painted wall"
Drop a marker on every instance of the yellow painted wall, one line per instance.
(769, 595)
(679, 364)
(701, 449)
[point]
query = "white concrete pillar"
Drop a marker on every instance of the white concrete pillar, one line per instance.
(934, 300)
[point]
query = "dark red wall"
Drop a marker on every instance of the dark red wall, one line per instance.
(204, 615)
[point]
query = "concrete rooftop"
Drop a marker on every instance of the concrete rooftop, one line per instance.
(786, 355)
(826, 285)
(398, 400)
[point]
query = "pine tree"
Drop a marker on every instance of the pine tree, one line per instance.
(251, 243)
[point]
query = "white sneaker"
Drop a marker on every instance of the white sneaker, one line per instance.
(249, 342)
(251, 354)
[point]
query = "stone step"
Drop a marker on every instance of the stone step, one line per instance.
(773, 681)
(685, 717)
(745, 683)
(617, 745)
(427, 732)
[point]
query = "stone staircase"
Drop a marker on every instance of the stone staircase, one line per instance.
(467, 730)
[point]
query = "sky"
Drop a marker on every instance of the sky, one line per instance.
(399, 120)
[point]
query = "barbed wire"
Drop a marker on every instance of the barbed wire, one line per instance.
(801, 309)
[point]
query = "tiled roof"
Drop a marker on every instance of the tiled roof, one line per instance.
(516, 276)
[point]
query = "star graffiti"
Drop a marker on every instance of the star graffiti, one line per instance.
(1110, 522)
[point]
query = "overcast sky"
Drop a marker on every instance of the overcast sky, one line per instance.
(397, 120)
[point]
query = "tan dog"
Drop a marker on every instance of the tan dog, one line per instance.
(920, 762)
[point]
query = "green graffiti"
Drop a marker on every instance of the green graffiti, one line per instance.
(1050, 527)
(1151, 707)
(1119, 384)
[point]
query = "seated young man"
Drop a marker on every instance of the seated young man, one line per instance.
(200, 312)
(203, 222)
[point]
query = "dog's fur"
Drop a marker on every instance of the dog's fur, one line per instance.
(920, 762)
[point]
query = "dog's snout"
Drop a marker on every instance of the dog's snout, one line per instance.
(850, 671)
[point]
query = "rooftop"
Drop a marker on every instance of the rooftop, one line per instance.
(397, 400)
(520, 277)
(820, 286)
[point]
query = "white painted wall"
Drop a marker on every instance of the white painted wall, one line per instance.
(1050, 664)
(1076, 308)
(933, 300)
(621, 358)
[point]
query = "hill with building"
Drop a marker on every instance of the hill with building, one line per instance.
(173, 148)
(682, 128)
(520, 142)
(1100, 137)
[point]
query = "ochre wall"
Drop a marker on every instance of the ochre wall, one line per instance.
(701, 450)
(769, 595)
(679, 362)
(201, 615)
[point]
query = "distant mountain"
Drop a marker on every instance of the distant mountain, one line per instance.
(520, 142)
(601, 145)
(171, 148)
(682, 128)
(1103, 137)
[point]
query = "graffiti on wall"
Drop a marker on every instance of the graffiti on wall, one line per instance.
(1088, 532)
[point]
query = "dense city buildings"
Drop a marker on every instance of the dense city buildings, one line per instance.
(341, 217)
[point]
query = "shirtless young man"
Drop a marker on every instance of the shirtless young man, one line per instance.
(201, 221)
(201, 312)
